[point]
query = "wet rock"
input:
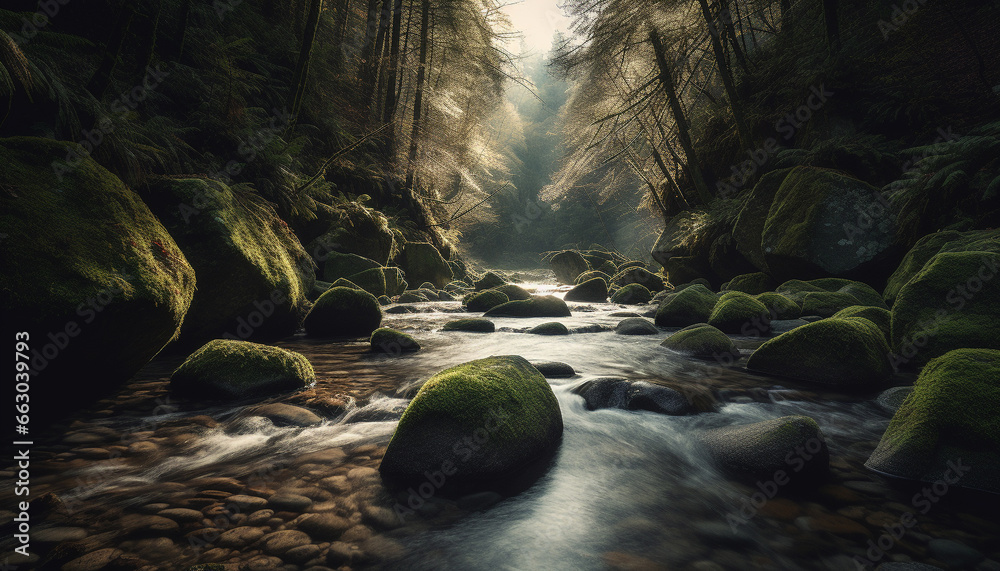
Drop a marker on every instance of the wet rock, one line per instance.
(240, 537)
(341, 553)
(95, 561)
(422, 262)
(632, 294)
(618, 392)
(567, 265)
(890, 400)
(279, 542)
(703, 341)
(474, 325)
(550, 328)
(357, 533)
(342, 311)
(391, 342)
(537, 306)
(593, 290)
(247, 504)
(323, 526)
(692, 305)
(286, 415)
(140, 524)
(792, 446)
(636, 326)
(289, 503)
(54, 535)
(740, 314)
(228, 370)
(301, 554)
(181, 515)
(484, 301)
(553, 369)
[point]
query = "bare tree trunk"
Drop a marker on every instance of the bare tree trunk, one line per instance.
(832, 24)
(390, 90)
(340, 30)
(666, 78)
(302, 66)
(101, 79)
(375, 68)
(172, 41)
(418, 99)
(727, 77)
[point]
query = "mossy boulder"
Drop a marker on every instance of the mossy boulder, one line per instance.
(849, 353)
(606, 267)
(339, 265)
(504, 397)
(489, 280)
(550, 328)
(372, 281)
(792, 445)
(691, 305)
(484, 300)
(739, 313)
(826, 303)
(423, 263)
(344, 312)
(860, 291)
(750, 224)
(812, 226)
(589, 275)
(458, 286)
(877, 315)
(951, 418)
(636, 326)
(395, 281)
(537, 306)
(779, 306)
(226, 369)
(513, 292)
(430, 294)
(84, 261)
(567, 265)
(638, 275)
(356, 229)
(247, 261)
(952, 303)
(632, 294)
(344, 282)
(474, 325)
(933, 244)
(593, 290)
(392, 342)
(411, 296)
(703, 341)
(753, 284)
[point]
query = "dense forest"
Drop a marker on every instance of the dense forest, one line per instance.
(310, 285)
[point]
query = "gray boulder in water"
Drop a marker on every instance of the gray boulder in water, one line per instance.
(618, 392)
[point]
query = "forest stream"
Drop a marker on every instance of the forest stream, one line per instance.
(177, 485)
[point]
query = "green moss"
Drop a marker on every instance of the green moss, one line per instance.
(779, 306)
(503, 395)
(550, 328)
(951, 414)
(372, 281)
(537, 306)
(632, 294)
(458, 286)
(387, 340)
(702, 340)
(877, 315)
(567, 265)
(344, 282)
(846, 352)
(638, 275)
(395, 281)
(739, 313)
(952, 303)
(489, 280)
(591, 274)
(693, 304)
(826, 303)
(242, 254)
(513, 292)
(593, 290)
(606, 267)
(484, 300)
(412, 296)
(423, 263)
(475, 325)
(753, 284)
(749, 226)
(932, 244)
(72, 239)
(229, 370)
(339, 265)
(344, 311)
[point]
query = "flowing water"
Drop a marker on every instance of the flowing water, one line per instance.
(626, 489)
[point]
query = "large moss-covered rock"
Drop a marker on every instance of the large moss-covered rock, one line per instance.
(595, 290)
(636, 326)
(753, 216)
(692, 305)
(226, 369)
(503, 398)
(395, 281)
(792, 445)
(372, 281)
(779, 306)
(537, 306)
(703, 341)
(356, 229)
(345, 312)
(952, 303)
(484, 300)
(513, 292)
(392, 342)
(797, 290)
(489, 280)
(87, 271)
(474, 325)
(253, 275)
(812, 227)
(739, 313)
(753, 284)
(423, 263)
(338, 265)
(587, 276)
(638, 275)
(632, 294)
(933, 244)
(877, 315)
(849, 353)
(950, 420)
(567, 265)
(826, 303)
(677, 236)
(550, 328)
